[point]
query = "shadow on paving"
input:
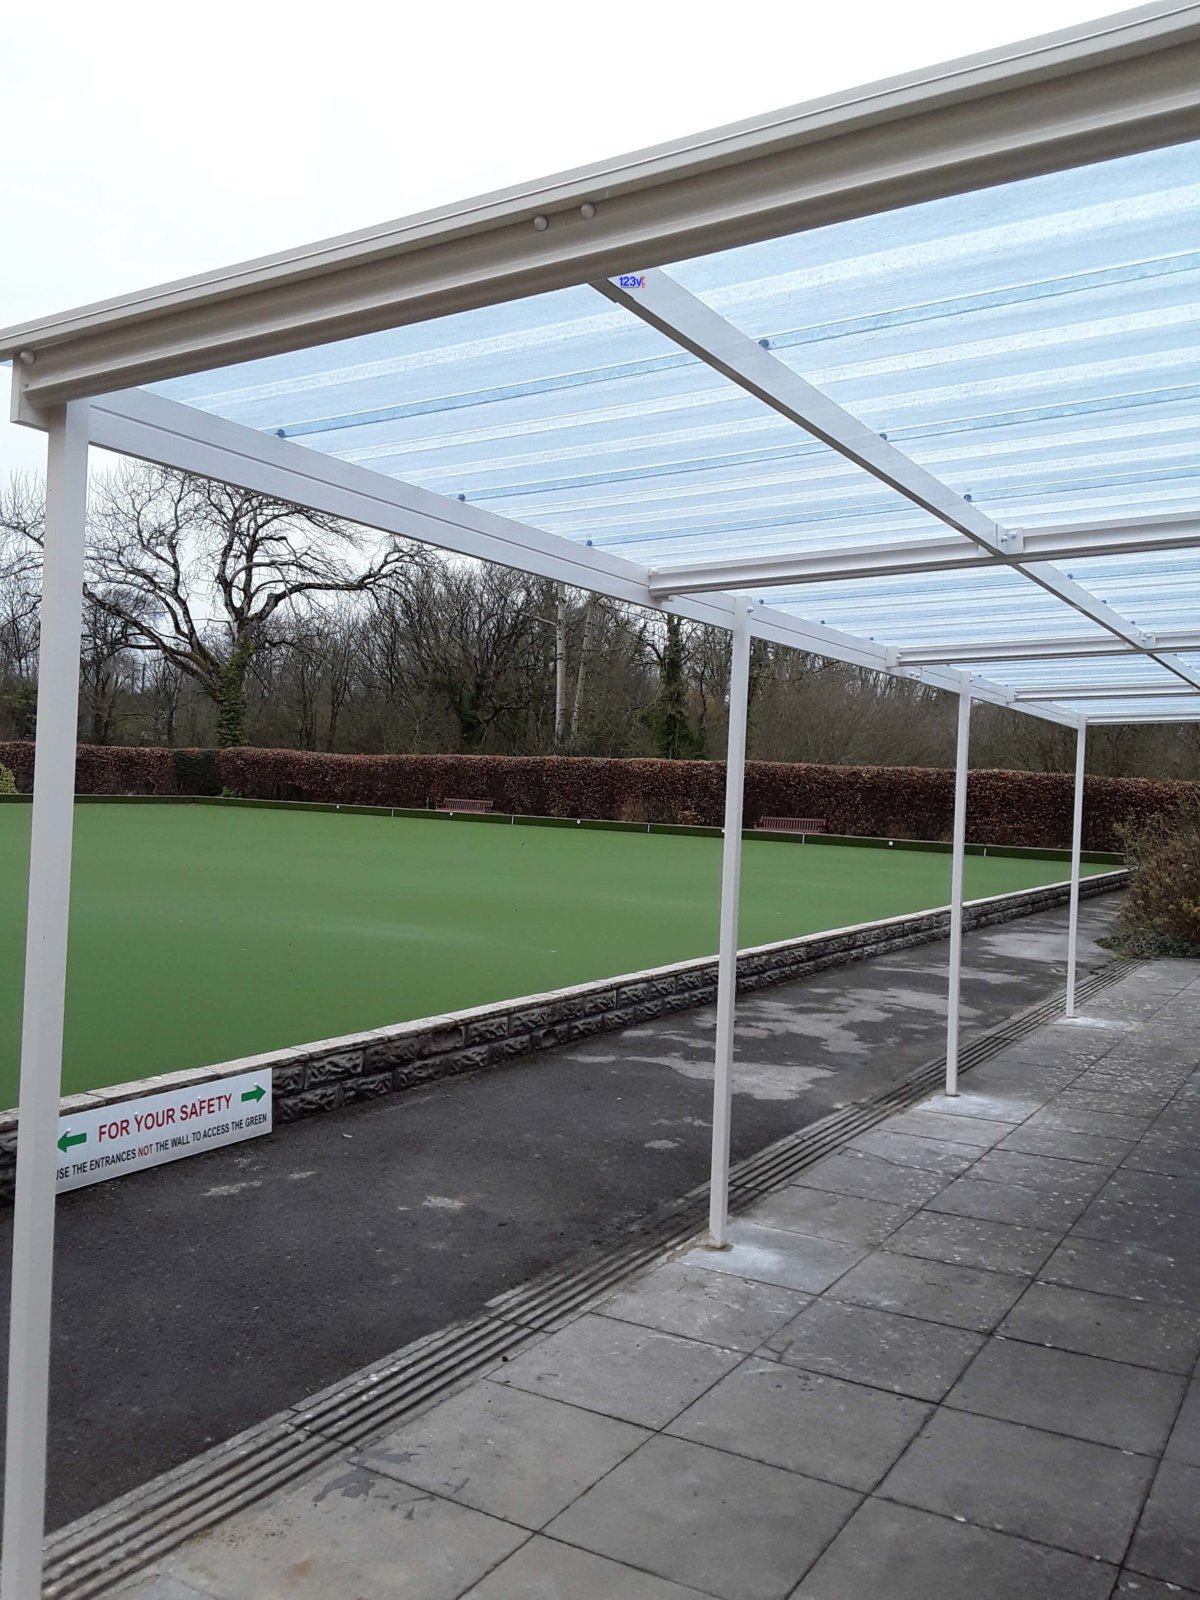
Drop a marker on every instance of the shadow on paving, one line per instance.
(196, 1299)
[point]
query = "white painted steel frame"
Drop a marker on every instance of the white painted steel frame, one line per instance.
(727, 947)
(1076, 853)
(45, 991)
(957, 854)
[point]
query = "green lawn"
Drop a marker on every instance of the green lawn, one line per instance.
(201, 933)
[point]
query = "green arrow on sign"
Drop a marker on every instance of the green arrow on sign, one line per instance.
(68, 1139)
(257, 1093)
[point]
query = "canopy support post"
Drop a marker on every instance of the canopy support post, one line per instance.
(961, 760)
(731, 872)
(45, 991)
(1076, 850)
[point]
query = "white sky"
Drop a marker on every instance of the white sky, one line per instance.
(149, 141)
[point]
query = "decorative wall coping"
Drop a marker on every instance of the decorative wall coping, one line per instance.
(326, 1074)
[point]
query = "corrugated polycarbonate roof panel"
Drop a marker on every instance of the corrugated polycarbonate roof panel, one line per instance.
(571, 415)
(1036, 346)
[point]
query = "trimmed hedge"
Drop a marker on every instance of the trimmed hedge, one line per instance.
(1023, 808)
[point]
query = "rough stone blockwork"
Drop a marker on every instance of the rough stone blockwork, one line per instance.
(330, 1073)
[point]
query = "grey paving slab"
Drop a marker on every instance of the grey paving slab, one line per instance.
(894, 1551)
(543, 1569)
(964, 1297)
(160, 1588)
(1057, 1142)
(773, 1255)
(1175, 1157)
(903, 1354)
(856, 1172)
(737, 1313)
(1004, 1202)
(635, 1374)
(733, 1527)
(1167, 1542)
(1184, 1443)
(1141, 1223)
(1133, 1586)
(995, 1105)
(1134, 1331)
(1175, 1195)
(845, 1217)
(1065, 1492)
(981, 1134)
(347, 1532)
(806, 1421)
(907, 1150)
(1044, 1174)
(974, 1242)
(498, 1449)
(1077, 1119)
(1124, 1269)
(1109, 1402)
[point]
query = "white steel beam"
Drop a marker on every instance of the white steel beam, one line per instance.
(727, 947)
(1109, 691)
(957, 854)
(45, 993)
(155, 429)
(951, 552)
(1076, 848)
(1126, 83)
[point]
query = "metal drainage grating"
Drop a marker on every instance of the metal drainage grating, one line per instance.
(108, 1546)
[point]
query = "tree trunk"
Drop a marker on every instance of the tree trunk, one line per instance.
(230, 696)
(560, 667)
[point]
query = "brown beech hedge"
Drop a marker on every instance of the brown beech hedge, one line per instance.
(1023, 808)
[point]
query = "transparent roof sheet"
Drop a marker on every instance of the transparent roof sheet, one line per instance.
(1036, 346)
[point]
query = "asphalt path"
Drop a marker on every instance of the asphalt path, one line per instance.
(196, 1299)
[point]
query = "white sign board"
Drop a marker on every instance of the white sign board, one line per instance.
(95, 1145)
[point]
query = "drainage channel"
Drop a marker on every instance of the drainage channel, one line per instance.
(116, 1541)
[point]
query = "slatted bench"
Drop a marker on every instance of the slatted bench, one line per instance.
(466, 805)
(790, 825)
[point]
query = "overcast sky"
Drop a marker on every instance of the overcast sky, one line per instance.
(145, 142)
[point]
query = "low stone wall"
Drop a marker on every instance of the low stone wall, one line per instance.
(329, 1073)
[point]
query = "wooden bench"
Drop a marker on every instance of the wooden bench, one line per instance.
(466, 805)
(790, 825)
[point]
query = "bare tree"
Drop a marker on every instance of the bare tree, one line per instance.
(208, 575)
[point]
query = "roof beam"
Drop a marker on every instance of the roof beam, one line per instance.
(966, 651)
(1103, 89)
(1109, 691)
(950, 553)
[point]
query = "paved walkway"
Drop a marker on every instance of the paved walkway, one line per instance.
(955, 1360)
(193, 1300)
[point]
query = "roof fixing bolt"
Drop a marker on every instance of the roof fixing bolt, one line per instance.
(587, 211)
(968, 497)
(27, 357)
(765, 343)
(541, 223)
(462, 497)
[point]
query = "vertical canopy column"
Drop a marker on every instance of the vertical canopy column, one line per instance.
(1076, 851)
(45, 991)
(731, 873)
(961, 760)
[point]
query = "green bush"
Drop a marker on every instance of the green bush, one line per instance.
(8, 784)
(1161, 912)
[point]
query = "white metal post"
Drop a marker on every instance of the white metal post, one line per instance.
(1076, 847)
(45, 990)
(731, 872)
(961, 756)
